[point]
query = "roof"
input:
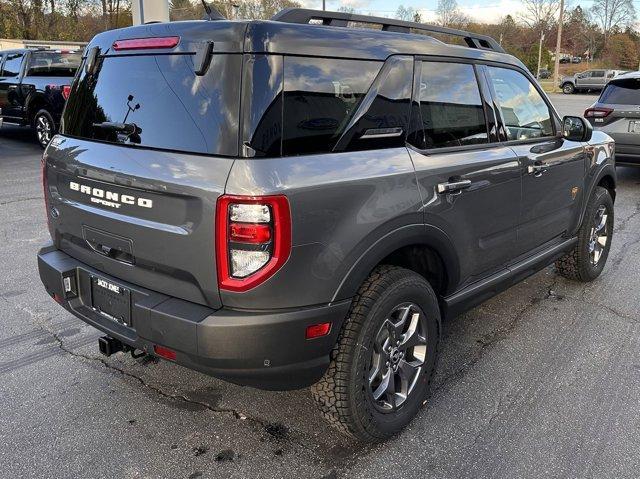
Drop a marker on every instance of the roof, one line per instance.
(276, 37)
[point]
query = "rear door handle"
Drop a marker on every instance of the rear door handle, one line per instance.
(454, 186)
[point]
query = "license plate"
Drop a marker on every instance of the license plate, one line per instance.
(634, 127)
(111, 300)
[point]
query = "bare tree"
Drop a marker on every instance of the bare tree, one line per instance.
(406, 14)
(449, 14)
(539, 14)
(612, 14)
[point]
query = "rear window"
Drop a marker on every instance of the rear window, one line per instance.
(161, 101)
(622, 92)
(54, 64)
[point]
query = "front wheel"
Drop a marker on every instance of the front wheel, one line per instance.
(568, 88)
(385, 356)
(588, 258)
(44, 126)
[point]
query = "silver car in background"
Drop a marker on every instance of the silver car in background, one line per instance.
(617, 113)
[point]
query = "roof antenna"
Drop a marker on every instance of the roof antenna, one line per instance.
(212, 14)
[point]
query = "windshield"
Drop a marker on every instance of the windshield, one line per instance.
(54, 63)
(158, 101)
(622, 92)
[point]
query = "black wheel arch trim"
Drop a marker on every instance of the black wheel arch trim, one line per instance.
(416, 234)
(606, 169)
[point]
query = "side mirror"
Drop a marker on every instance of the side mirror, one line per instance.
(575, 128)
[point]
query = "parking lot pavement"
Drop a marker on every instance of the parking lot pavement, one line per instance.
(543, 380)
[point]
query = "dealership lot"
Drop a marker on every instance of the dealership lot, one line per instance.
(542, 380)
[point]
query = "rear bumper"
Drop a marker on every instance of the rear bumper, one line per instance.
(627, 154)
(265, 349)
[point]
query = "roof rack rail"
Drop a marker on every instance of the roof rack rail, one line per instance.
(342, 19)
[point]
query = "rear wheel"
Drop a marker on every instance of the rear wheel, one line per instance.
(568, 88)
(385, 356)
(44, 126)
(587, 260)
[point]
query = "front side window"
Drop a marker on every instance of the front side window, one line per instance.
(524, 112)
(12, 65)
(450, 107)
(320, 98)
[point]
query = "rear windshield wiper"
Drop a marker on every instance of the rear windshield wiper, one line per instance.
(126, 128)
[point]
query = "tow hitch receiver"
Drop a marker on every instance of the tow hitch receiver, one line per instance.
(109, 346)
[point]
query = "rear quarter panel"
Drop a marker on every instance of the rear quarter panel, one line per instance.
(341, 204)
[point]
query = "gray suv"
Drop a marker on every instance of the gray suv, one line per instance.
(302, 202)
(617, 113)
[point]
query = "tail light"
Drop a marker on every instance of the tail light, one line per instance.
(146, 43)
(66, 91)
(253, 239)
(598, 112)
(43, 169)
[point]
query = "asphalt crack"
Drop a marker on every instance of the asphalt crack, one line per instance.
(20, 200)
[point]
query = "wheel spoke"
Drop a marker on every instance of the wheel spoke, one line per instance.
(398, 328)
(602, 241)
(408, 370)
(386, 386)
(601, 223)
(412, 337)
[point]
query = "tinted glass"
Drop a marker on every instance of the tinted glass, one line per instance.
(524, 111)
(622, 92)
(450, 106)
(383, 119)
(598, 74)
(12, 64)
(262, 110)
(320, 98)
(54, 64)
(169, 105)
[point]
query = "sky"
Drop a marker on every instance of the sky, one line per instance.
(484, 11)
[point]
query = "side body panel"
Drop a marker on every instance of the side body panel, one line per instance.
(553, 197)
(341, 205)
(481, 221)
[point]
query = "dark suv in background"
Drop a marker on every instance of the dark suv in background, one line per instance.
(617, 113)
(301, 202)
(34, 85)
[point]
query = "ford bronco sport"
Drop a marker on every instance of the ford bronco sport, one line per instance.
(301, 202)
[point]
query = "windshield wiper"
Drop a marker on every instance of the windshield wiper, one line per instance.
(126, 128)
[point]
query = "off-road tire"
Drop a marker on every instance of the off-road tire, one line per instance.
(343, 395)
(577, 265)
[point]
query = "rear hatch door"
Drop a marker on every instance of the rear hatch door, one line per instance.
(148, 140)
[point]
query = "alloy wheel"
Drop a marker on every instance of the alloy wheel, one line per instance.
(44, 130)
(599, 235)
(398, 357)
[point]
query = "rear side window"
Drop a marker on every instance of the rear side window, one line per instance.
(12, 65)
(320, 98)
(450, 107)
(161, 101)
(54, 64)
(524, 112)
(622, 92)
(598, 74)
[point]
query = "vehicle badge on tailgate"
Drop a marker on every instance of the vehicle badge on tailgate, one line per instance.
(110, 198)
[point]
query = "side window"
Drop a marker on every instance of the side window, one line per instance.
(450, 107)
(12, 65)
(525, 113)
(598, 74)
(382, 121)
(320, 98)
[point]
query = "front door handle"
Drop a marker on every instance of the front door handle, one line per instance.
(537, 169)
(454, 186)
